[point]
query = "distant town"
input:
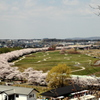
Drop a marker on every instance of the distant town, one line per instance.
(39, 43)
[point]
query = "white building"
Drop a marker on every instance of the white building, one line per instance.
(17, 93)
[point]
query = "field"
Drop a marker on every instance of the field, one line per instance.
(46, 60)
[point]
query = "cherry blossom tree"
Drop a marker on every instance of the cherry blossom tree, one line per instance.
(12, 73)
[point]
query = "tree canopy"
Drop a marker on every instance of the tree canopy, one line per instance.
(58, 76)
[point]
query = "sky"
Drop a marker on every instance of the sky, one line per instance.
(38, 19)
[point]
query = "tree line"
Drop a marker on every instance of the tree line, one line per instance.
(5, 49)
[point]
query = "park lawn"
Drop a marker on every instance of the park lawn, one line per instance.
(46, 60)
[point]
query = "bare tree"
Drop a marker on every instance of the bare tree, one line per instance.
(96, 9)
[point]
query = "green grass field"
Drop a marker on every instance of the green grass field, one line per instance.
(46, 60)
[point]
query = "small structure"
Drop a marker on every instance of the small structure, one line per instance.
(8, 83)
(17, 93)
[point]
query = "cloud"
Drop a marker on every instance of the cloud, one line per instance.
(36, 9)
(70, 2)
(3, 6)
(95, 1)
(15, 8)
(29, 3)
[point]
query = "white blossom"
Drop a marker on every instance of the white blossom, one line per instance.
(30, 74)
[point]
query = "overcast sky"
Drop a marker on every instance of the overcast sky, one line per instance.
(38, 19)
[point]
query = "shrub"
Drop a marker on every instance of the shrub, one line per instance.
(73, 52)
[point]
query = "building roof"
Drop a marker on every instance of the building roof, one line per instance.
(63, 91)
(16, 90)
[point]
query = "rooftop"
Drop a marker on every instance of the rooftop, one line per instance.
(63, 91)
(17, 90)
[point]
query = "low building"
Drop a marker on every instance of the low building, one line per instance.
(70, 92)
(17, 93)
(62, 91)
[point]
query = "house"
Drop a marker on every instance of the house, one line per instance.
(70, 92)
(17, 93)
(62, 91)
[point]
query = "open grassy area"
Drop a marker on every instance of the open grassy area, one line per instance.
(46, 60)
(5, 49)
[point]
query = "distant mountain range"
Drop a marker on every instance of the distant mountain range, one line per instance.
(87, 38)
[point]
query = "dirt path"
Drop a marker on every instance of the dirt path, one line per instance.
(82, 68)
